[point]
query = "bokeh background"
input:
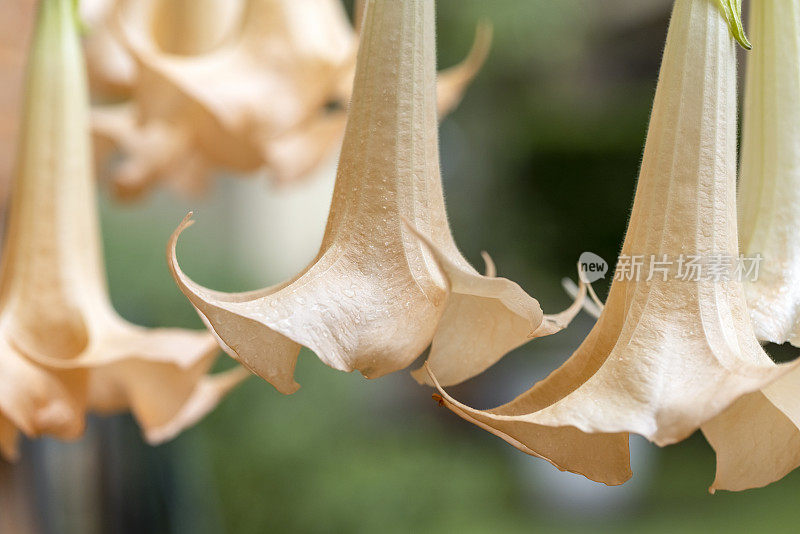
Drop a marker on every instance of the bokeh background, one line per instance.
(539, 164)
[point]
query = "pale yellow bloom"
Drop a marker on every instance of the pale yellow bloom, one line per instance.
(63, 349)
(379, 293)
(666, 355)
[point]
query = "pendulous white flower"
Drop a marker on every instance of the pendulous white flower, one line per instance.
(667, 354)
(63, 349)
(375, 297)
(769, 183)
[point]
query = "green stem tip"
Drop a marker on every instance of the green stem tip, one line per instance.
(733, 14)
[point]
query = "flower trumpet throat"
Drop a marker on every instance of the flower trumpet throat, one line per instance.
(666, 355)
(63, 349)
(388, 280)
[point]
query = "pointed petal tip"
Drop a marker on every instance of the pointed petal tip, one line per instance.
(172, 245)
(453, 81)
(482, 44)
(554, 323)
(618, 477)
(491, 268)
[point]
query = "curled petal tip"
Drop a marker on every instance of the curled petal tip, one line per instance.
(454, 80)
(172, 244)
(185, 223)
(491, 269)
(484, 34)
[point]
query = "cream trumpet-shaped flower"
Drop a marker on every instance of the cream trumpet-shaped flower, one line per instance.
(757, 440)
(260, 99)
(667, 354)
(184, 27)
(374, 297)
(63, 349)
(272, 96)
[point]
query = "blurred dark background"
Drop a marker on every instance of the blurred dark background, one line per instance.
(539, 164)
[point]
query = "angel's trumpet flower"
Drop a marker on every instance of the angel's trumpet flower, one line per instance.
(63, 349)
(757, 440)
(273, 96)
(185, 27)
(258, 100)
(374, 297)
(674, 346)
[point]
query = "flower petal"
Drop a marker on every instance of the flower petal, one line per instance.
(341, 307)
(769, 187)
(297, 153)
(9, 440)
(755, 443)
(208, 392)
(484, 319)
(600, 457)
(111, 69)
(39, 401)
(164, 399)
(151, 150)
(453, 81)
(280, 60)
